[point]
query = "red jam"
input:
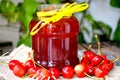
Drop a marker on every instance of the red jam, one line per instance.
(55, 45)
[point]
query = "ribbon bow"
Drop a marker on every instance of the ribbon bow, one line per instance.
(53, 16)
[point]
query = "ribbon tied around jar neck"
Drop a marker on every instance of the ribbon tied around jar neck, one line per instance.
(55, 15)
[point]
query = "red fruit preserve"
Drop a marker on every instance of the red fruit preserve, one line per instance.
(56, 44)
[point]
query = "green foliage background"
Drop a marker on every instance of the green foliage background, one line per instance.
(25, 11)
(116, 40)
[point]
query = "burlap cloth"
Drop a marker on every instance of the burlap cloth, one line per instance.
(21, 53)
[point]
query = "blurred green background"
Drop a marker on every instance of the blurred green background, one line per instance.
(23, 12)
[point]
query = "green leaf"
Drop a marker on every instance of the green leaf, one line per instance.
(13, 17)
(84, 29)
(54, 1)
(105, 28)
(7, 7)
(80, 38)
(115, 3)
(30, 6)
(89, 18)
(26, 20)
(117, 33)
(25, 39)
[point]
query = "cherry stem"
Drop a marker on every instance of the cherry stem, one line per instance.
(100, 63)
(39, 65)
(30, 56)
(54, 77)
(99, 46)
(4, 54)
(116, 59)
(49, 78)
(3, 63)
(96, 36)
(89, 47)
(94, 78)
(99, 49)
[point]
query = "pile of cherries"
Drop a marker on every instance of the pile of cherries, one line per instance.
(91, 64)
(31, 70)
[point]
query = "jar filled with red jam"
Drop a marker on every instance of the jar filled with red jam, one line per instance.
(55, 39)
(56, 44)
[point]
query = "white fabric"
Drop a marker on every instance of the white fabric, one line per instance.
(21, 53)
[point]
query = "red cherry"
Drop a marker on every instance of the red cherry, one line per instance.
(29, 64)
(89, 69)
(19, 70)
(96, 60)
(89, 54)
(12, 63)
(31, 71)
(68, 72)
(42, 74)
(107, 64)
(85, 61)
(104, 56)
(110, 66)
(38, 68)
(54, 73)
(99, 72)
(79, 70)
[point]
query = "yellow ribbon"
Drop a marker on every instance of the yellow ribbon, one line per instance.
(53, 16)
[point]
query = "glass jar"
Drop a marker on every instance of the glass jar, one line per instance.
(56, 44)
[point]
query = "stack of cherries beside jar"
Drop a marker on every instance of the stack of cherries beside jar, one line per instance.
(91, 64)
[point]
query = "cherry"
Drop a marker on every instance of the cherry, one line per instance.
(42, 74)
(100, 72)
(89, 69)
(85, 61)
(107, 64)
(104, 56)
(89, 54)
(19, 70)
(12, 63)
(54, 73)
(29, 64)
(31, 71)
(79, 70)
(67, 71)
(96, 60)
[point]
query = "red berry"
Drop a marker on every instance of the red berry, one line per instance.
(68, 72)
(12, 63)
(85, 61)
(54, 73)
(103, 56)
(96, 60)
(79, 70)
(42, 74)
(107, 64)
(99, 72)
(19, 70)
(89, 54)
(31, 71)
(29, 64)
(89, 69)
